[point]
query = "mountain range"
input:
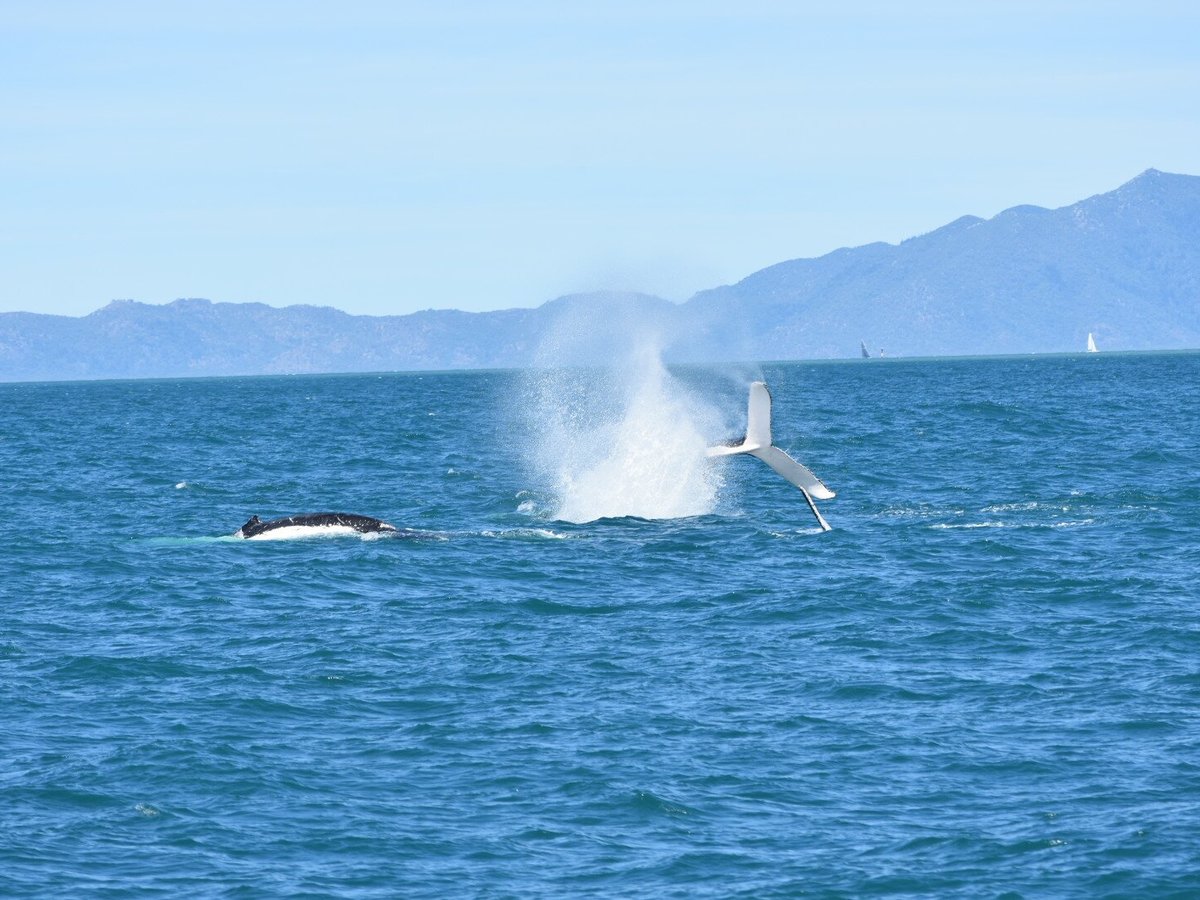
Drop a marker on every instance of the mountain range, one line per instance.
(1124, 265)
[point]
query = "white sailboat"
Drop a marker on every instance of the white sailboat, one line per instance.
(1091, 348)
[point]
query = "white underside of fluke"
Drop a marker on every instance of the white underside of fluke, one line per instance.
(758, 443)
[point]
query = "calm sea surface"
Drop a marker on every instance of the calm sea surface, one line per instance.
(597, 664)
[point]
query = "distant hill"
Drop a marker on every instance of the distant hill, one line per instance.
(1124, 265)
(195, 337)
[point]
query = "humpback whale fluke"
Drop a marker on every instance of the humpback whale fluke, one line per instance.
(758, 443)
(344, 522)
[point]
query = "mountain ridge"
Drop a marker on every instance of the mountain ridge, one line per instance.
(1022, 275)
(1123, 264)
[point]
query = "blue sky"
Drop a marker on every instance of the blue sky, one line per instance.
(388, 157)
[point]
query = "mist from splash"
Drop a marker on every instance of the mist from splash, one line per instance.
(623, 439)
(624, 442)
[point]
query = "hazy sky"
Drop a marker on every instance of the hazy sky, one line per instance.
(384, 157)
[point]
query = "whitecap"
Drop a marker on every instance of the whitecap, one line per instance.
(795, 533)
(1012, 507)
(965, 525)
(539, 533)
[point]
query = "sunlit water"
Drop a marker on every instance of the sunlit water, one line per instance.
(984, 681)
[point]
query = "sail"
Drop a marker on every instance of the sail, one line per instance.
(865, 354)
(1091, 347)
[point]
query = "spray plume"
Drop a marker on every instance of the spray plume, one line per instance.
(623, 439)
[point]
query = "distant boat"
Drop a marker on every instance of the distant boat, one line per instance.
(1091, 344)
(865, 354)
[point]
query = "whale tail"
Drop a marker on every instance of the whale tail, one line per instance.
(758, 443)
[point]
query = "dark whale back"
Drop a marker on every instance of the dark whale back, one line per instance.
(362, 524)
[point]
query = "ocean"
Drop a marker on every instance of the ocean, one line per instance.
(594, 663)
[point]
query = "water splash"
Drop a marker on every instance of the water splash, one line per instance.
(628, 440)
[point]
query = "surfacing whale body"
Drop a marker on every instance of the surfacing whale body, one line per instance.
(314, 523)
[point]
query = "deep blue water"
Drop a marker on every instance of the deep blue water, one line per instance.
(984, 682)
